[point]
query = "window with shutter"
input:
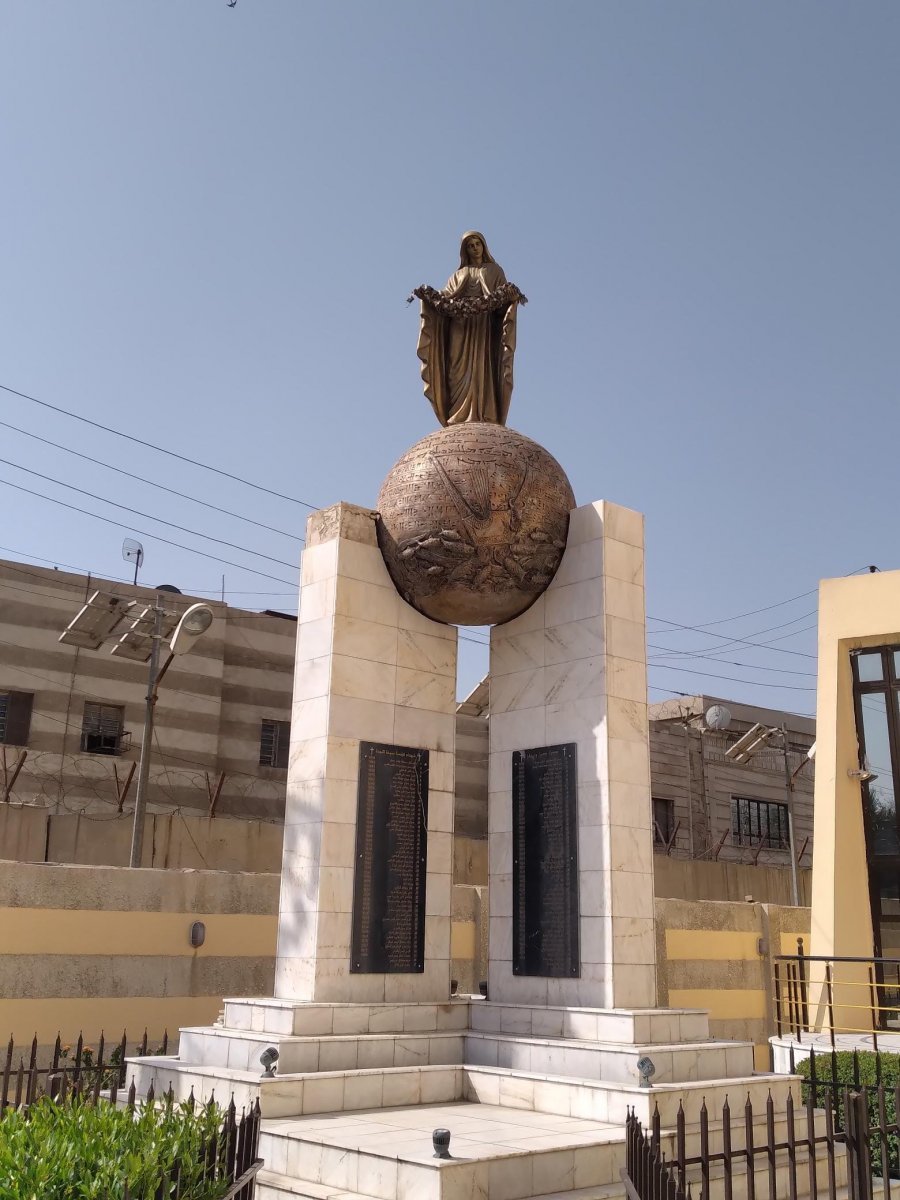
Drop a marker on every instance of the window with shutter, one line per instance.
(274, 743)
(15, 718)
(102, 728)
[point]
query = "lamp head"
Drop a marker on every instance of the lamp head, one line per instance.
(269, 1058)
(194, 622)
(646, 1069)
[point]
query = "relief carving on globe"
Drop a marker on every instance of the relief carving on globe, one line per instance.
(473, 519)
(473, 523)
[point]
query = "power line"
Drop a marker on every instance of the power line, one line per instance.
(702, 652)
(144, 533)
(235, 615)
(105, 576)
(792, 687)
(151, 482)
(152, 446)
(753, 611)
(150, 516)
(731, 640)
(730, 663)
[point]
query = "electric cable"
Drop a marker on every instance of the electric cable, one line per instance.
(792, 687)
(152, 446)
(730, 640)
(150, 482)
(143, 532)
(149, 516)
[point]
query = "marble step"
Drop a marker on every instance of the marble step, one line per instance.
(609, 1061)
(272, 1186)
(403, 1171)
(309, 1019)
(339, 1091)
(240, 1049)
(288, 1017)
(295, 1095)
(599, 1100)
(643, 1027)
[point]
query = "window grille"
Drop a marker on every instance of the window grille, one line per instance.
(274, 743)
(15, 718)
(759, 823)
(663, 820)
(102, 729)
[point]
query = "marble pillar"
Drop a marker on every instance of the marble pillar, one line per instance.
(573, 669)
(368, 668)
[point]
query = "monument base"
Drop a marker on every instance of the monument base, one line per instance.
(535, 1098)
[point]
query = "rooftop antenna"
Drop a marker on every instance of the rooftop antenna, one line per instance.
(133, 552)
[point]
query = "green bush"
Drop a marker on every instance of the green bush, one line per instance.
(80, 1151)
(867, 1074)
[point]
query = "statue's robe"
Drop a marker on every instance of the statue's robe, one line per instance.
(467, 365)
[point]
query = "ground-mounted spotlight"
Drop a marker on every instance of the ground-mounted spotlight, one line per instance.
(646, 1070)
(269, 1058)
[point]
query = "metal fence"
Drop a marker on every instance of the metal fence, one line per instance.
(63, 1075)
(853, 995)
(27, 1073)
(747, 1153)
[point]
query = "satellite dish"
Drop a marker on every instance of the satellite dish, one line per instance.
(168, 587)
(133, 552)
(717, 718)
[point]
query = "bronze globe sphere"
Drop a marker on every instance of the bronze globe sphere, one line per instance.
(473, 522)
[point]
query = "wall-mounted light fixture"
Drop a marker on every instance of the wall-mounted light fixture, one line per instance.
(198, 934)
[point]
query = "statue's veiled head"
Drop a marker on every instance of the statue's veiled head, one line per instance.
(468, 251)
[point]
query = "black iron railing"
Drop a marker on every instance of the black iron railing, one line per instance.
(773, 1154)
(818, 994)
(99, 1076)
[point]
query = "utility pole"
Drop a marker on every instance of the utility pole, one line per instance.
(789, 796)
(140, 803)
(98, 621)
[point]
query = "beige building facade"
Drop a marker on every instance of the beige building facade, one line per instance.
(71, 719)
(223, 717)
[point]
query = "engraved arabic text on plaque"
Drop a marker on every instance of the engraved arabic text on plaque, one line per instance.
(545, 862)
(388, 926)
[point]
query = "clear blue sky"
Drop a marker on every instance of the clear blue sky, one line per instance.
(213, 216)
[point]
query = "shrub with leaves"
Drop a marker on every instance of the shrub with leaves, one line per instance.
(80, 1151)
(867, 1071)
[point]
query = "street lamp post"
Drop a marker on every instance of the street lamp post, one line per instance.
(140, 802)
(97, 622)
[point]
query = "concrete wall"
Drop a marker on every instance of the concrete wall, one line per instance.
(694, 879)
(211, 702)
(719, 956)
(102, 948)
(174, 839)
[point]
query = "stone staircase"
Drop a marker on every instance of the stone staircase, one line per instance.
(360, 1087)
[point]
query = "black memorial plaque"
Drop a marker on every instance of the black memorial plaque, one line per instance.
(545, 862)
(388, 934)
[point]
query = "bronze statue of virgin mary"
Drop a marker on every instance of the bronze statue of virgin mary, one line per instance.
(467, 338)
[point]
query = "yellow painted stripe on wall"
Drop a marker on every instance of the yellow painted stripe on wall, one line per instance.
(761, 1057)
(711, 944)
(91, 931)
(789, 942)
(69, 1016)
(735, 1003)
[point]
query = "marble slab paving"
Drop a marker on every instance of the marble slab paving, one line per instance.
(478, 1131)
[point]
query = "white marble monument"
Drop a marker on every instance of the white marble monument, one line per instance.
(369, 669)
(572, 670)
